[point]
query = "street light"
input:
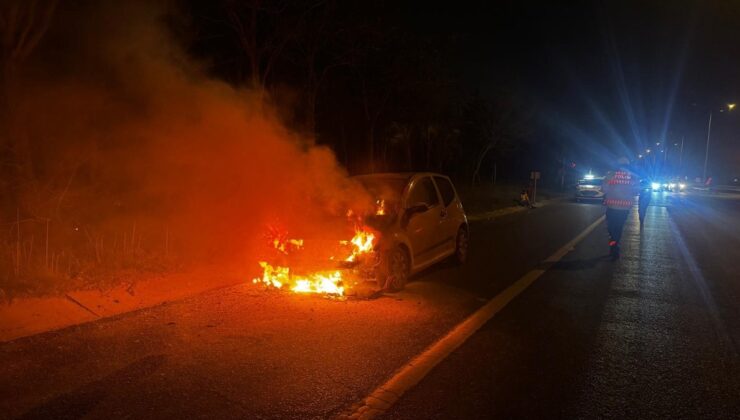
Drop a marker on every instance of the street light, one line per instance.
(730, 107)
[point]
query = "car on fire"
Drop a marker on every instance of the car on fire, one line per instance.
(421, 221)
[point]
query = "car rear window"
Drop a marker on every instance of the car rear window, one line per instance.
(445, 189)
(423, 191)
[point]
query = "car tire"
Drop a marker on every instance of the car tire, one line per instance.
(462, 244)
(397, 269)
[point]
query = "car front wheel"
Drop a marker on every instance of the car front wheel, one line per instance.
(462, 243)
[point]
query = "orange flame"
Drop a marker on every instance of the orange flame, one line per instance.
(381, 208)
(324, 282)
(362, 243)
(277, 277)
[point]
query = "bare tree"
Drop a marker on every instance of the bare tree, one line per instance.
(23, 24)
(493, 128)
(263, 29)
(322, 49)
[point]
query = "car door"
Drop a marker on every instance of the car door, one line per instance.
(422, 227)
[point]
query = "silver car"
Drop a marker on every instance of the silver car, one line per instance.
(421, 221)
(590, 188)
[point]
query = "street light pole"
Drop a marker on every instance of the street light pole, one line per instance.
(706, 153)
(680, 156)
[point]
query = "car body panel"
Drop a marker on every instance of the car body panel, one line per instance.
(428, 235)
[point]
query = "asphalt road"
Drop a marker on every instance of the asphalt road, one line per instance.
(654, 334)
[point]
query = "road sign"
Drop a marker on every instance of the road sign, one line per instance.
(534, 175)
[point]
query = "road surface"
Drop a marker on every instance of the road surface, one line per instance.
(652, 335)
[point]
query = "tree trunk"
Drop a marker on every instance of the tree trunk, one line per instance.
(479, 162)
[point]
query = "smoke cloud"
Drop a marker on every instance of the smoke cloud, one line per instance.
(125, 130)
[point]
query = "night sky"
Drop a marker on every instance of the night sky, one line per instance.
(607, 78)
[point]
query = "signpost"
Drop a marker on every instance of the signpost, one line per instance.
(534, 175)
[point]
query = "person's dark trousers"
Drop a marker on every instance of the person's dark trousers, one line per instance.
(643, 205)
(642, 210)
(615, 220)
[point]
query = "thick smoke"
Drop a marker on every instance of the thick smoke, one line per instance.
(127, 132)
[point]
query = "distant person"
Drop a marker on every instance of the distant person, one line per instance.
(524, 199)
(620, 188)
(642, 205)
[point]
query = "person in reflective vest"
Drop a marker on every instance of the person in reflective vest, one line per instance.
(620, 188)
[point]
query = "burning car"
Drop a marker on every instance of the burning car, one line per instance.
(417, 221)
(420, 220)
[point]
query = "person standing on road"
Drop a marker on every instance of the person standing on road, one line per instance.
(642, 205)
(620, 188)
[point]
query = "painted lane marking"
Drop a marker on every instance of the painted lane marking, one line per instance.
(386, 395)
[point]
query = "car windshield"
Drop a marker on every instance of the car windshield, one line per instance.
(595, 182)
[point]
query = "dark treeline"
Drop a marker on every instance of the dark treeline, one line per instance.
(362, 79)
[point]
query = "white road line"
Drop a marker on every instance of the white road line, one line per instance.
(413, 372)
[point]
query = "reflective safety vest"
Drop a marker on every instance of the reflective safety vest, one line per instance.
(620, 188)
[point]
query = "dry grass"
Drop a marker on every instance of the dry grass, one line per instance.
(40, 257)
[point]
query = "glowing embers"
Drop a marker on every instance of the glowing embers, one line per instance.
(288, 245)
(321, 281)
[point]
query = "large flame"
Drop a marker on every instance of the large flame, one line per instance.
(362, 243)
(324, 282)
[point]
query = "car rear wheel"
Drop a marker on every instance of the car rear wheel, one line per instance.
(398, 267)
(462, 242)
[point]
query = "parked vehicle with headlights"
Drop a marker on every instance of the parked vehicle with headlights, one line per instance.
(589, 188)
(422, 222)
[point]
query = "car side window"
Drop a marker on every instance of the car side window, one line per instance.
(423, 191)
(445, 190)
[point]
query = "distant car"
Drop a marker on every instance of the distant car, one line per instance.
(590, 188)
(421, 222)
(657, 185)
(671, 185)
